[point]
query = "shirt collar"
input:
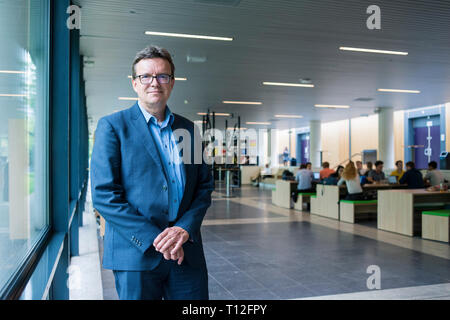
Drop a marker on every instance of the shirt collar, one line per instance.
(169, 117)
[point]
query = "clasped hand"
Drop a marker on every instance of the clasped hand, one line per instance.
(170, 243)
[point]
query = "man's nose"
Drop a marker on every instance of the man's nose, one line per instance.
(154, 82)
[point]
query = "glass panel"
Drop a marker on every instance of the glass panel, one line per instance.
(24, 39)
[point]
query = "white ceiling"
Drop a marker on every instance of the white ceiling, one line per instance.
(280, 41)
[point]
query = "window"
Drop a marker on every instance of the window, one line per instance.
(24, 105)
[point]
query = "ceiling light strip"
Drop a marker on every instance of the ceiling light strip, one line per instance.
(288, 84)
(12, 72)
(331, 106)
(288, 116)
(261, 123)
(399, 90)
(12, 95)
(373, 51)
(182, 35)
(216, 113)
(242, 102)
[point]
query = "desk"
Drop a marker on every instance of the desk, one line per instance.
(327, 202)
(396, 208)
(281, 196)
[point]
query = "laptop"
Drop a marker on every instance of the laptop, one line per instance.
(316, 175)
(392, 179)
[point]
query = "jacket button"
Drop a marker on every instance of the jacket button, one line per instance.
(164, 187)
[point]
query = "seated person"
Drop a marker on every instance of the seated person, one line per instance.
(334, 177)
(266, 172)
(326, 171)
(433, 177)
(304, 178)
(412, 177)
(376, 175)
(398, 173)
(359, 168)
(351, 178)
(369, 168)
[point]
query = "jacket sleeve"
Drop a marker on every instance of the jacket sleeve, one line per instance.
(108, 195)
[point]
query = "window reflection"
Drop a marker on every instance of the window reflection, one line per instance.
(23, 130)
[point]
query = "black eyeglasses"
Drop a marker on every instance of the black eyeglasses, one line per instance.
(161, 78)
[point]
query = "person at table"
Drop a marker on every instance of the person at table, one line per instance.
(309, 166)
(304, 178)
(377, 175)
(398, 172)
(433, 176)
(350, 177)
(286, 157)
(369, 166)
(359, 168)
(334, 177)
(326, 171)
(412, 177)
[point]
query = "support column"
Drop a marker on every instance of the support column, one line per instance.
(273, 142)
(386, 150)
(315, 143)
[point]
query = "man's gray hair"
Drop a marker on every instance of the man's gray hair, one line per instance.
(151, 52)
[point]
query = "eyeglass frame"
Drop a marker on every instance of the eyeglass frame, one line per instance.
(153, 77)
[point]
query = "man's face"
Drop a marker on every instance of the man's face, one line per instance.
(379, 167)
(154, 93)
(358, 165)
(400, 165)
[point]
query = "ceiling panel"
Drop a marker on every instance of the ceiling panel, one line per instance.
(280, 41)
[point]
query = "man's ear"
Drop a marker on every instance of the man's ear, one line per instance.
(134, 84)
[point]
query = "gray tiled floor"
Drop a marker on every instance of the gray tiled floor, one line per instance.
(285, 260)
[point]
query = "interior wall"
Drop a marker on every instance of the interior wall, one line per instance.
(335, 142)
(364, 133)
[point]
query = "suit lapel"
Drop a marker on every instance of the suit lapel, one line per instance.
(144, 135)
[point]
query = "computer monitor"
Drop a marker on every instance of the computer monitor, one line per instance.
(316, 176)
(392, 179)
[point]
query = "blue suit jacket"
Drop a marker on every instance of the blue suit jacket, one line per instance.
(129, 189)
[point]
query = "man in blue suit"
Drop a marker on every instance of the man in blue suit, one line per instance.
(152, 197)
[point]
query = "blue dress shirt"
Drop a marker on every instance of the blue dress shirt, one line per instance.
(168, 151)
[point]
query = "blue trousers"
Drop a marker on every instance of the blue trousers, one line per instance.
(167, 281)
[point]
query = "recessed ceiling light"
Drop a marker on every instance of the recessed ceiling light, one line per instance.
(331, 106)
(177, 79)
(288, 116)
(217, 114)
(399, 90)
(262, 123)
(242, 102)
(237, 128)
(12, 72)
(288, 84)
(182, 35)
(12, 95)
(373, 51)
(128, 98)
